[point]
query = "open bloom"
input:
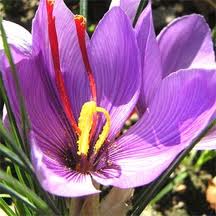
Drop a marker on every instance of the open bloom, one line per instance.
(184, 44)
(79, 92)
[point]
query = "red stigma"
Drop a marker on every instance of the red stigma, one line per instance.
(56, 63)
(81, 27)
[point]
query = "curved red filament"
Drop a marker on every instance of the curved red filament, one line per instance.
(56, 62)
(81, 27)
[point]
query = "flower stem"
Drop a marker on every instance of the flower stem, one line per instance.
(140, 8)
(91, 203)
(90, 206)
(84, 8)
(74, 205)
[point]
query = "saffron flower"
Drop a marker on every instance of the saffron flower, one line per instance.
(79, 92)
(184, 44)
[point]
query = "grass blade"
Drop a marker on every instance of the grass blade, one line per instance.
(24, 118)
(15, 188)
(6, 208)
(140, 8)
(12, 120)
(5, 188)
(4, 134)
(4, 151)
(169, 187)
(204, 157)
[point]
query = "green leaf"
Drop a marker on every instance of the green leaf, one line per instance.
(140, 8)
(169, 187)
(14, 193)
(19, 175)
(4, 134)
(6, 208)
(4, 151)
(23, 193)
(204, 157)
(22, 208)
(5, 196)
(13, 124)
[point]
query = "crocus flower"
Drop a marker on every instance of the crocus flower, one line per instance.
(80, 91)
(184, 44)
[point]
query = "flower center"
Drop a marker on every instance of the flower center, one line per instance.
(88, 116)
(89, 109)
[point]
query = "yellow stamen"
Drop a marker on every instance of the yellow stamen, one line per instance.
(105, 131)
(89, 109)
(85, 125)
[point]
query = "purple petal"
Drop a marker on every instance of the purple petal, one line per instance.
(107, 176)
(129, 6)
(53, 145)
(150, 58)
(19, 39)
(45, 111)
(181, 109)
(52, 133)
(68, 184)
(116, 66)
(71, 62)
(186, 43)
(40, 38)
(115, 3)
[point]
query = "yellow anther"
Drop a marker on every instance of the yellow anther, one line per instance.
(85, 125)
(105, 131)
(81, 20)
(51, 2)
(89, 109)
